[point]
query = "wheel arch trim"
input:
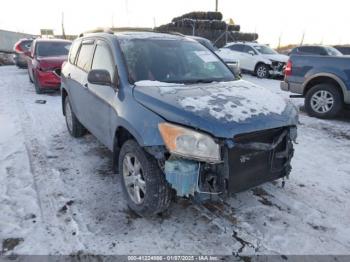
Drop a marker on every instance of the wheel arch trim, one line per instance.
(340, 82)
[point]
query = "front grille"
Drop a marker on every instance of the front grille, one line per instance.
(264, 136)
(57, 71)
(250, 165)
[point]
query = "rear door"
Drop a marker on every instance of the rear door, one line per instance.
(80, 98)
(70, 73)
(101, 96)
(243, 57)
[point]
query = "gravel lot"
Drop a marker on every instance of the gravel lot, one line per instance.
(58, 195)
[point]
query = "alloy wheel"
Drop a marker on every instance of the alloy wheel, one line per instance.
(322, 101)
(133, 178)
(262, 71)
(69, 117)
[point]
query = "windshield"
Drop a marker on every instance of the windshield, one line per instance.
(265, 50)
(332, 51)
(172, 61)
(52, 48)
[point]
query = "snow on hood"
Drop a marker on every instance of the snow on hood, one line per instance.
(164, 87)
(155, 83)
(222, 109)
(246, 100)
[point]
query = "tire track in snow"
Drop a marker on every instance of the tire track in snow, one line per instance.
(46, 179)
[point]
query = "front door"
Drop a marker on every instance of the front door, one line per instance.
(99, 113)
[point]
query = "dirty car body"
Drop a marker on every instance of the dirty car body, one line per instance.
(203, 131)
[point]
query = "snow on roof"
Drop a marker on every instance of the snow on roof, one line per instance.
(145, 35)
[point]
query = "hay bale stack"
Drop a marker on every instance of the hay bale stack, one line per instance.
(200, 16)
(208, 25)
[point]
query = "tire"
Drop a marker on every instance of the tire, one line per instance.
(154, 193)
(75, 128)
(30, 78)
(37, 86)
(323, 101)
(262, 71)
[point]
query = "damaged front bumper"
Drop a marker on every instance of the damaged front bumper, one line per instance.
(277, 68)
(248, 161)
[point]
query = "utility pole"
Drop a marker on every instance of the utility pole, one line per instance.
(62, 23)
(302, 38)
(216, 5)
(279, 41)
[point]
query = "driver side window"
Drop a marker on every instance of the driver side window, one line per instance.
(248, 49)
(103, 59)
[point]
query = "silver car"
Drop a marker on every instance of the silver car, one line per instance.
(233, 64)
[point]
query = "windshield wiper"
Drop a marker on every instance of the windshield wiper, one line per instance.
(197, 81)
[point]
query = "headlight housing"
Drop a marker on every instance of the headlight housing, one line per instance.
(189, 143)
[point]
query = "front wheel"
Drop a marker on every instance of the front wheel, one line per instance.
(323, 101)
(144, 184)
(37, 86)
(30, 78)
(262, 71)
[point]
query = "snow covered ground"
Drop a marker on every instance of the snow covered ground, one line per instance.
(58, 195)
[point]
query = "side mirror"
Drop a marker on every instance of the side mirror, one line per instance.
(251, 52)
(99, 77)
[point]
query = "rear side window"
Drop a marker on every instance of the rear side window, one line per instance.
(26, 44)
(315, 50)
(238, 48)
(74, 51)
(294, 51)
(103, 59)
(85, 55)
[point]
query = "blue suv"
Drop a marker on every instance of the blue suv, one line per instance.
(178, 121)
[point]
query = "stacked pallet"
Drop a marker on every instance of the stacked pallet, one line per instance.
(208, 25)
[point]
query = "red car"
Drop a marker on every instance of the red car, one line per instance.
(46, 57)
(21, 48)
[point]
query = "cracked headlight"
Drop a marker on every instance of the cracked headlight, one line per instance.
(189, 143)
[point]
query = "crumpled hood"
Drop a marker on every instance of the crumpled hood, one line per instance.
(52, 61)
(277, 57)
(222, 109)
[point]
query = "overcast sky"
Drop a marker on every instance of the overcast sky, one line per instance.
(323, 21)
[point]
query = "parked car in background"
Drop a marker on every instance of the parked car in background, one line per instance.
(176, 118)
(21, 49)
(344, 49)
(231, 62)
(315, 50)
(324, 81)
(45, 62)
(256, 58)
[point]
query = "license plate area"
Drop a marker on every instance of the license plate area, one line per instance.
(250, 167)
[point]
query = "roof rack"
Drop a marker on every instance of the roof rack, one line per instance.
(97, 30)
(128, 29)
